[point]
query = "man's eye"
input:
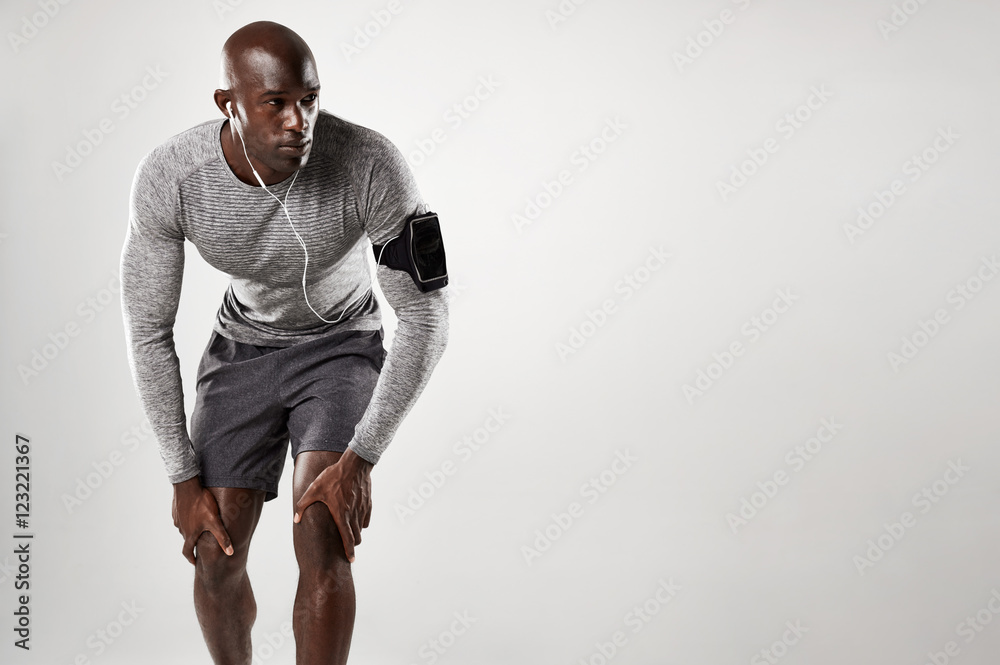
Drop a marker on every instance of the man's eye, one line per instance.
(310, 99)
(275, 102)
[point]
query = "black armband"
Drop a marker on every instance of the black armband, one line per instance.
(419, 251)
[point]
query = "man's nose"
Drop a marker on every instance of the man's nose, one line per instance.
(296, 120)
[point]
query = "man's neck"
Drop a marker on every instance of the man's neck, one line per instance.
(237, 159)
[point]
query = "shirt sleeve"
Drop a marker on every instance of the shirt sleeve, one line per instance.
(152, 267)
(387, 197)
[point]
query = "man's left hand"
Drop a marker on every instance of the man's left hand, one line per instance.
(346, 489)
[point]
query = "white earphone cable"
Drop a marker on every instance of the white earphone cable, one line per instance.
(289, 218)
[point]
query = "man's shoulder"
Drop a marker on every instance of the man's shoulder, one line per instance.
(177, 157)
(349, 142)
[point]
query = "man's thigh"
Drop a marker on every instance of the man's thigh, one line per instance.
(308, 465)
(316, 535)
(240, 509)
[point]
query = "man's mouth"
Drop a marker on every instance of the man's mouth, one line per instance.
(299, 148)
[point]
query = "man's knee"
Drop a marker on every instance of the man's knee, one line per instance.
(318, 545)
(213, 566)
(239, 510)
(324, 571)
(319, 586)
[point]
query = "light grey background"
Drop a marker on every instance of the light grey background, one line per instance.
(519, 290)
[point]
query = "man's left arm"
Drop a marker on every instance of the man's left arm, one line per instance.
(388, 197)
(419, 342)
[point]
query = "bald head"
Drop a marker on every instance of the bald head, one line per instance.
(270, 90)
(261, 46)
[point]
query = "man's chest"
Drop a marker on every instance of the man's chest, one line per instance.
(249, 236)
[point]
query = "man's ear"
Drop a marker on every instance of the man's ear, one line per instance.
(222, 99)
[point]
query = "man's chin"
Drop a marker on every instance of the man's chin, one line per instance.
(291, 163)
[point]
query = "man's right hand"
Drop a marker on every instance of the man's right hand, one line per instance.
(195, 511)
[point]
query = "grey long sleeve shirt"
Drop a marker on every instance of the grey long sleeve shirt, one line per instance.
(355, 190)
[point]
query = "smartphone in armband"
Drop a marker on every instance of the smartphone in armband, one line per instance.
(419, 251)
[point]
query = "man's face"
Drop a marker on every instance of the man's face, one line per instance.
(276, 105)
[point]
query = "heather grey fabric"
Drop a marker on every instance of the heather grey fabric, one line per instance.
(356, 189)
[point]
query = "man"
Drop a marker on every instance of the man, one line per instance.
(296, 354)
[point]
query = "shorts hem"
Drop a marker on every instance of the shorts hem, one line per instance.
(321, 447)
(270, 489)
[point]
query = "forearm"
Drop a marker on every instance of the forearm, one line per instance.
(420, 340)
(151, 278)
(156, 375)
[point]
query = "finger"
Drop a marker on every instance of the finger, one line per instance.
(346, 535)
(356, 526)
(307, 499)
(367, 503)
(221, 535)
(188, 550)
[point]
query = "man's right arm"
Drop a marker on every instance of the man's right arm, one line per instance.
(152, 267)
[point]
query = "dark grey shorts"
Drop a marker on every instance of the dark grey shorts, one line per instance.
(252, 400)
